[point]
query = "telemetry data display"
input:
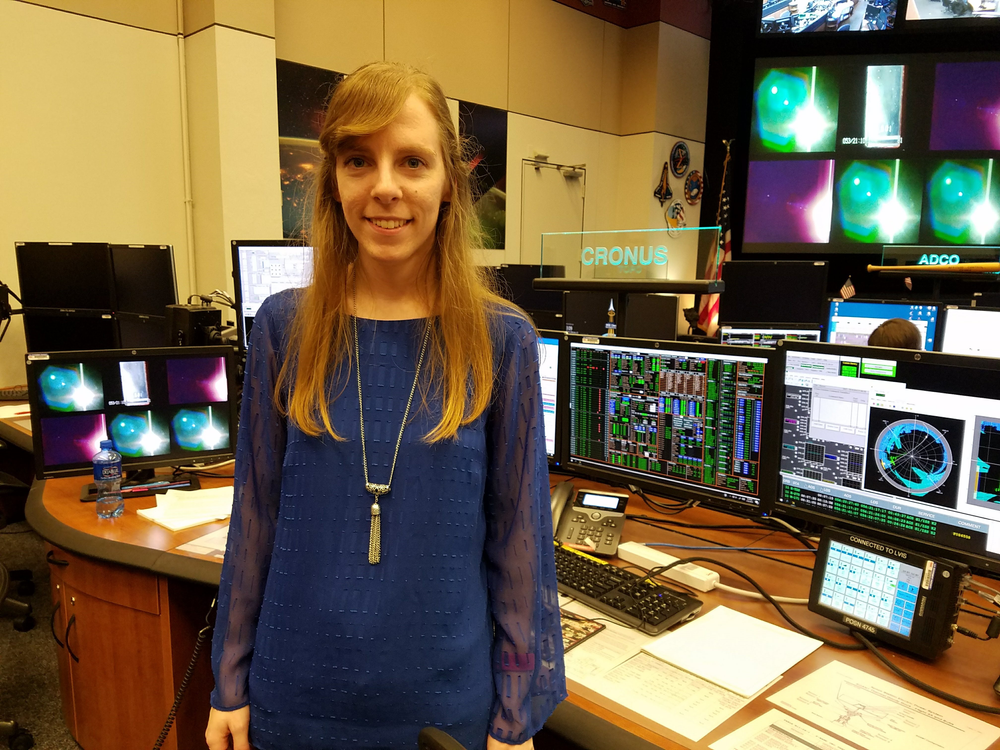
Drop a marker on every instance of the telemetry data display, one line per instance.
(674, 417)
(970, 330)
(903, 445)
(766, 337)
(548, 370)
(852, 322)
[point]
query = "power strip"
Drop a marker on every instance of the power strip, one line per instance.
(689, 574)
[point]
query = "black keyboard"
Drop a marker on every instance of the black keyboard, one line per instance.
(14, 393)
(621, 594)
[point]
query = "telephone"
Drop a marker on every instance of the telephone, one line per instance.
(590, 520)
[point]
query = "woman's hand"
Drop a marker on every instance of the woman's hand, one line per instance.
(495, 744)
(225, 724)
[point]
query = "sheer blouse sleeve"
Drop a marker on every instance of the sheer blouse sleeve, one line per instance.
(260, 450)
(528, 671)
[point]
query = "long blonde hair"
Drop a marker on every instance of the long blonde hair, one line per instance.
(459, 358)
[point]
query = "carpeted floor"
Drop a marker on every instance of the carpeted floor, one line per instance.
(29, 674)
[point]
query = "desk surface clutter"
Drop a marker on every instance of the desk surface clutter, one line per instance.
(683, 689)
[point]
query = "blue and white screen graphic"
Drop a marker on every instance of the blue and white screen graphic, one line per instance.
(853, 322)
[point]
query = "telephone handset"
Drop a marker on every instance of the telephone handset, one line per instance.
(562, 495)
(590, 520)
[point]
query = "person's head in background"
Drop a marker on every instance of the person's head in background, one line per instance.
(897, 334)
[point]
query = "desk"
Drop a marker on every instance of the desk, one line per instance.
(128, 576)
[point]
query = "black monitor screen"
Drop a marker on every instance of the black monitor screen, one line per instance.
(65, 275)
(262, 268)
(971, 330)
(144, 279)
(48, 330)
(796, 292)
(161, 407)
(680, 419)
(898, 442)
(853, 321)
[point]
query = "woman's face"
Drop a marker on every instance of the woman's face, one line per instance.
(391, 185)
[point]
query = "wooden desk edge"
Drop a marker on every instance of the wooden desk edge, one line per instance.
(134, 556)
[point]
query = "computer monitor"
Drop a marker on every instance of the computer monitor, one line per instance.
(971, 330)
(852, 321)
(797, 292)
(161, 407)
(52, 329)
(145, 282)
(766, 336)
(66, 275)
(679, 419)
(898, 443)
(548, 371)
(262, 268)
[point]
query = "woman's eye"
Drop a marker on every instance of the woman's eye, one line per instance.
(356, 161)
(414, 163)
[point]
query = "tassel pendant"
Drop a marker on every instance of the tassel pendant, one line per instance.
(375, 539)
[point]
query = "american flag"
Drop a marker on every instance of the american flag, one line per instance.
(708, 313)
(847, 290)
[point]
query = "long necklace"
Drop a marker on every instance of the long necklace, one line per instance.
(377, 490)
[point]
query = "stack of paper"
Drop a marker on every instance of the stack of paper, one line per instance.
(733, 650)
(177, 510)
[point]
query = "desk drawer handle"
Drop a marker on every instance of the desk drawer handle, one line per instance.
(52, 561)
(52, 624)
(68, 647)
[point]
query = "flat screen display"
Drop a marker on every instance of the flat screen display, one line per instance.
(971, 330)
(766, 337)
(945, 13)
(681, 419)
(799, 297)
(548, 370)
(817, 16)
(849, 154)
(160, 407)
(853, 321)
(895, 442)
(262, 268)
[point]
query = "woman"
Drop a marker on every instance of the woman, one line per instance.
(389, 563)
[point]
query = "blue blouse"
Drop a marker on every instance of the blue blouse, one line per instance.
(458, 626)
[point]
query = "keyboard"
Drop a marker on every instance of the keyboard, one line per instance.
(14, 393)
(621, 594)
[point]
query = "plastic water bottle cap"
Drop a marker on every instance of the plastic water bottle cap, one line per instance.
(107, 445)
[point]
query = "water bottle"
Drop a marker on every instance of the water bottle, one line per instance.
(108, 478)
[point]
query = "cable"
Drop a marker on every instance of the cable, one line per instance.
(755, 595)
(710, 541)
(206, 467)
(727, 548)
(202, 638)
(920, 683)
(801, 628)
(978, 584)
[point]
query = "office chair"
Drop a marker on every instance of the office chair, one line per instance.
(17, 737)
(431, 738)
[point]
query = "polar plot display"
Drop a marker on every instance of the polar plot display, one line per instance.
(913, 456)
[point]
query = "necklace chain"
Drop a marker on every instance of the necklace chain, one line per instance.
(377, 490)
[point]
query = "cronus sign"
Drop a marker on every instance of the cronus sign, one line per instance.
(641, 255)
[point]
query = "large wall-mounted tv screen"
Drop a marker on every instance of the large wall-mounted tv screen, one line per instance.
(812, 16)
(849, 154)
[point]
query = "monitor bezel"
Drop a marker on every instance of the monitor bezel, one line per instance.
(33, 359)
(235, 246)
(820, 267)
(774, 418)
(700, 494)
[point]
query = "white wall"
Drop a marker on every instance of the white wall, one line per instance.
(90, 141)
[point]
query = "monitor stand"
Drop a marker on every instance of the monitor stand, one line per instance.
(144, 482)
